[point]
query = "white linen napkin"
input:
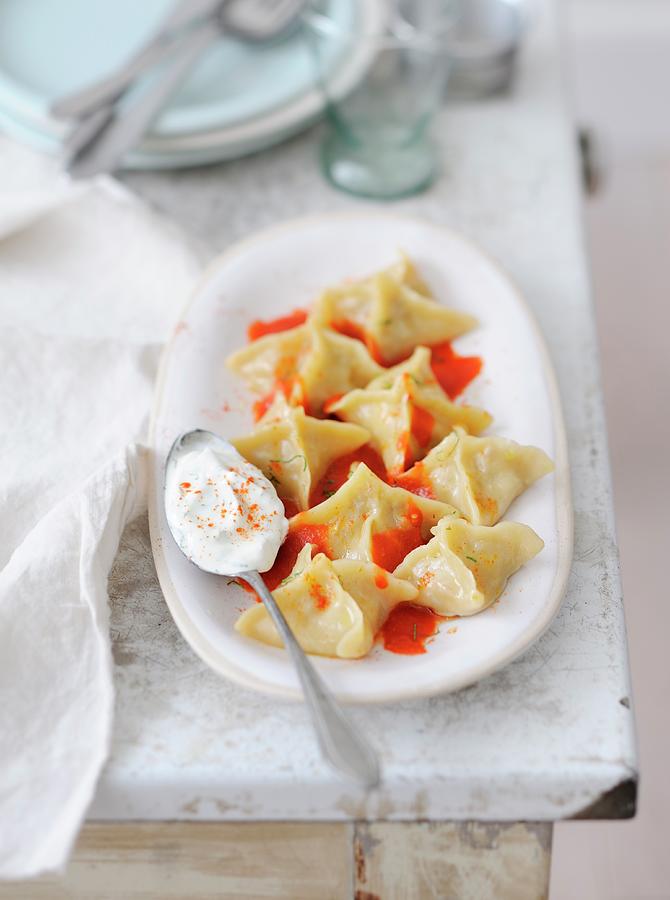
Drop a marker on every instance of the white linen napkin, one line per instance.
(91, 284)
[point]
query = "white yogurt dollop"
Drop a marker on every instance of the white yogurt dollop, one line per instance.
(222, 511)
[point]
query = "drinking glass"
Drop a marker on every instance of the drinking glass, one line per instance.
(392, 65)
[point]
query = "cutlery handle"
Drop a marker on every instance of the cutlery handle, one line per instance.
(105, 91)
(341, 745)
(85, 130)
(109, 145)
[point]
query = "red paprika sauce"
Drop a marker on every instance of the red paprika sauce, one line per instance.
(454, 372)
(260, 328)
(408, 628)
(416, 480)
(338, 472)
(297, 537)
(287, 383)
(390, 547)
(354, 330)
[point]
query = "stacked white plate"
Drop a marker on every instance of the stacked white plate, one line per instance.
(238, 99)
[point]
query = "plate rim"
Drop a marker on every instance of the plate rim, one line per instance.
(563, 489)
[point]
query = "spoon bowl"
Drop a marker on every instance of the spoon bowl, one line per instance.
(199, 439)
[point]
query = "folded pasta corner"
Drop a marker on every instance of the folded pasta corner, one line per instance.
(480, 476)
(464, 568)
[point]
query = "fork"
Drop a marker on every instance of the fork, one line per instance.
(101, 145)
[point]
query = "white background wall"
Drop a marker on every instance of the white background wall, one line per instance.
(618, 58)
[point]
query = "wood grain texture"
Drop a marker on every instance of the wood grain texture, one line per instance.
(452, 861)
(200, 861)
(300, 861)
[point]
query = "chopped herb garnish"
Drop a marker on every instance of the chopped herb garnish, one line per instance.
(329, 481)
(452, 449)
(290, 578)
(471, 558)
(414, 632)
(233, 581)
(415, 379)
(328, 493)
(290, 460)
(386, 322)
(273, 478)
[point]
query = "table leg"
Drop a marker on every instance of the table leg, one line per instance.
(452, 860)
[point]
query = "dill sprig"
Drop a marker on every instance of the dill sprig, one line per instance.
(290, 460)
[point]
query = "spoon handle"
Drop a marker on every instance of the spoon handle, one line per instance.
(344, 747)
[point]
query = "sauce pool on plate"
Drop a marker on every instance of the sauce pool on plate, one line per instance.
(408, 628)
(259, 328)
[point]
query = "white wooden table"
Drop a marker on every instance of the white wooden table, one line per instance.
(550, 737)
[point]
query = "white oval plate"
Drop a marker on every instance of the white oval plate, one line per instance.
(284, 268)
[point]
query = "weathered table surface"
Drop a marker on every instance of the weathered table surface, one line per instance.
(550, 736)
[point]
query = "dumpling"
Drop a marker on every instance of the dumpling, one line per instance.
(272, 361)
(465, 567)
(407, 412)
(308, 364)
(392, 311)
(334, 365)
(294, 449)
(368, 520)
(334, 608)
(480, 476)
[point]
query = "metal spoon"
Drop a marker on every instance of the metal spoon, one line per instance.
(340, 743)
